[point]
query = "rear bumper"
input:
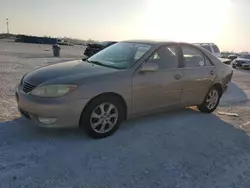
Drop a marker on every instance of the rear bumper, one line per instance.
(226, 81)
(66, 112)
(225, 88)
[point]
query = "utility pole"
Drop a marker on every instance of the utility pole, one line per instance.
(7, 23)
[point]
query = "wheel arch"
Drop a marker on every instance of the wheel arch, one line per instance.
(219, 87)
(109, 94)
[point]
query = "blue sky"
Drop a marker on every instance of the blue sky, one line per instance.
(224, 22)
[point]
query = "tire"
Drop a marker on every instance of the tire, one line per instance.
(105, 123)
(206, 106)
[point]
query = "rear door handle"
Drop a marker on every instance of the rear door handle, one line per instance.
(211, 72)
(177, 76)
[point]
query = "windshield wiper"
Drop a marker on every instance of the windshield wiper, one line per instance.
(96, 62)
(93, 62)
(101, 64)
(86, 60)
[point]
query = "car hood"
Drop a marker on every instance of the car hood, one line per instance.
(243, 59)
(65, 70)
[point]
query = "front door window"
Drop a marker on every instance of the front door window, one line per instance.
(166, 57)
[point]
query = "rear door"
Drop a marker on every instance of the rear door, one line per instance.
(198, 75)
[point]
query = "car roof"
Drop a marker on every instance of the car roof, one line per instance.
(159, 43)
(109, 41)
(204, 43)
(151, 42)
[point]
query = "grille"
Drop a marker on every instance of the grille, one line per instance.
(27, 87)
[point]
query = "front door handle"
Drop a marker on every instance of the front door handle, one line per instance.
(177, 76)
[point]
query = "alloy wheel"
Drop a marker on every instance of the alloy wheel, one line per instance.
(104, 117)
(212, 99)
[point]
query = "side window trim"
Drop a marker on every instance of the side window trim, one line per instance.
(206, 57)
(211, 49)
(209, 60)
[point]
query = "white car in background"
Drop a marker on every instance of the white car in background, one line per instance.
(243, 61)
(211, 47)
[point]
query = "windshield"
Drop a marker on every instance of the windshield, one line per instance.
(245, 56)
(120, 55)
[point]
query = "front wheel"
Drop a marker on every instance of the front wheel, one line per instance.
(102, 117)
(211, 101)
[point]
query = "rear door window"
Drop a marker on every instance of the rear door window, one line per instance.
(192, 57)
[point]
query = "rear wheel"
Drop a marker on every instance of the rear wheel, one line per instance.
(211, 101)
(102, 117)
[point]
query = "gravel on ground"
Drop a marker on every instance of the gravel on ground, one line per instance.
(182, 148)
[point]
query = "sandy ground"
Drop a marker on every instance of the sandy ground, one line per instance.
(182, 148)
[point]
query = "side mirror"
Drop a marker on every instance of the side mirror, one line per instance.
(149, 67)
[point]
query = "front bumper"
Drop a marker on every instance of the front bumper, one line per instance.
(242, 65)
(67, 112)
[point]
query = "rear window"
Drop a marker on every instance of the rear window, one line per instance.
(207, 48)
(216, 49)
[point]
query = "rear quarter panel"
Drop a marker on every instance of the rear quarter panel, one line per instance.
(223, 72)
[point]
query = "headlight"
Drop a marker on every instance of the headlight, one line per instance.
(53, 90)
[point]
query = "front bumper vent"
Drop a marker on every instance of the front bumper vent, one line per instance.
(27, 87)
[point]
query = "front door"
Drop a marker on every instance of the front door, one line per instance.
(198, 75)
(161, 88)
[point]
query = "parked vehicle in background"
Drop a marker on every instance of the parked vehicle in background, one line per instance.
(125, 80)
(225, 60)
(96, 47)
(243, 61)
(224, 54)
(232, 56)
(211, 47)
